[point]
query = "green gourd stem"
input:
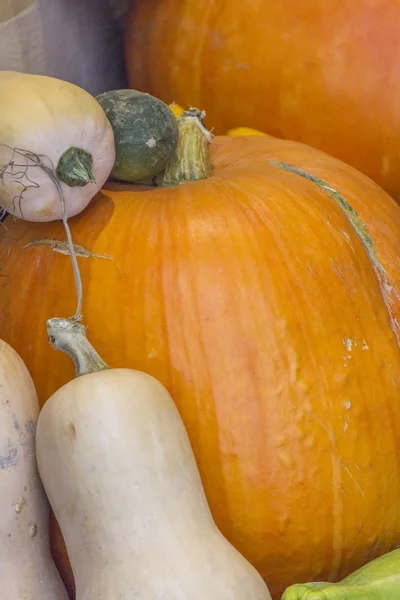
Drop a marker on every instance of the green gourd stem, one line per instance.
(75, 168)
(191, 161)
(69, 336)
(377, 580)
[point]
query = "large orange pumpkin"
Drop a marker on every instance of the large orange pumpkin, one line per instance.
(324, 73)
(266, 298)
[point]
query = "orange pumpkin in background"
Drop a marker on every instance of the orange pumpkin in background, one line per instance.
(266, 298)
(323, 73)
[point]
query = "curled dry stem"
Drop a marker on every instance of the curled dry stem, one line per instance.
(18, 170)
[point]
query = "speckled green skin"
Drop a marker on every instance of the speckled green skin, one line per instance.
(145, 133)
(377, 580)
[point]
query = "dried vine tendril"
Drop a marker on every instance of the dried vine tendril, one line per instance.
(17, 170)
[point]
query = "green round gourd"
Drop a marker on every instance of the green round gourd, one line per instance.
(145, 133)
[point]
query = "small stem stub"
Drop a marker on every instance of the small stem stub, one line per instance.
(69, 336)
(191, 161)
(75, 168)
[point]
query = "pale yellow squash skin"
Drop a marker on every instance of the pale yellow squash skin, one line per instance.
(121, 477)
(27, 570)
(47, 116)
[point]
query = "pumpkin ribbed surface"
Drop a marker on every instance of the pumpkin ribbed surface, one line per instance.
(266, 299)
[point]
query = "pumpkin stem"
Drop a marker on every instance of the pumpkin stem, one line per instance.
(69, 336)
(191, 161)
(75, 168)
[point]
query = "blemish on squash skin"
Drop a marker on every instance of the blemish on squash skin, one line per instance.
(10, 458)
(349, 343)
(61, 246)
(19, 505)
(286, 460)
(71, 431)
(387, 291)
(45, 211)
(33, 529)
(28, 438)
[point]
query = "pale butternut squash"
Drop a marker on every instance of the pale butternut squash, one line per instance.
(27, 570)
(56, 147)
(121, 477)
